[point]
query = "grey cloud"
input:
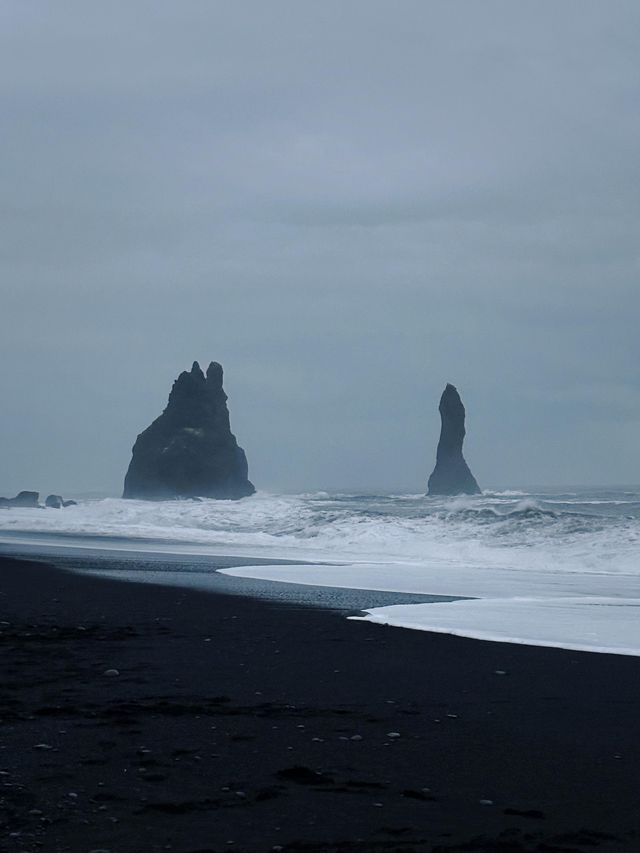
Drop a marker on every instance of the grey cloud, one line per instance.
(347, 204)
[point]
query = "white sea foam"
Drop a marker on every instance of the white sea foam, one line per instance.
(501, 547)
(588, 624)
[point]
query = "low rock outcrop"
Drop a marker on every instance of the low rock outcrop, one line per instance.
(57, 502)
(190, 451)
(451, 476)
(22, 499)
(30, 500)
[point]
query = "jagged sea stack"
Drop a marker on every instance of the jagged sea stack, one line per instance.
(190, 451)
(451, 476)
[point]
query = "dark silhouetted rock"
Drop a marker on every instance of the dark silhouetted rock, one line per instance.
(57, 502)
(190, 450)
(451, 476)
(22, 499)
(26, 499)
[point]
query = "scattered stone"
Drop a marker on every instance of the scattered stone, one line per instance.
(500, 672)
(424, 795)
(43, 746)
(111, 673)
(304, 776)
(535, 814)
(393, 734)
(356, 737)
(486, 802)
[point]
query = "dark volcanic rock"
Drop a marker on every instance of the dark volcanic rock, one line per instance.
(22, 499)
(57, 502)
(451, 476)
(190, 450)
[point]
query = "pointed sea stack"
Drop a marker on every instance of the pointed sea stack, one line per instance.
(190, 451)
(451, 476)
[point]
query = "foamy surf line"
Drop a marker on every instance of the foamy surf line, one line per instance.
(559, 551)
(606, 626)
(489, 607)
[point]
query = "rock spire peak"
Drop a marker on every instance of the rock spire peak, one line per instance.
(190, 451)
(451, 476)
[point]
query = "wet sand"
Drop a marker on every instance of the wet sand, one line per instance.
(250, 725)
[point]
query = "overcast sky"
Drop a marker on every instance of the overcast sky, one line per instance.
(347, 204)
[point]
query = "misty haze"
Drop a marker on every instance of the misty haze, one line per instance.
(320, 514)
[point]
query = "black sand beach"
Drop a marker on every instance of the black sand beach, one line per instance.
(248, 725)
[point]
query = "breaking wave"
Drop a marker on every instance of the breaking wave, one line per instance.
(597, 531)
(562, 552)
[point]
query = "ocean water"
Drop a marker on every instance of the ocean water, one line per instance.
(559, 568)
